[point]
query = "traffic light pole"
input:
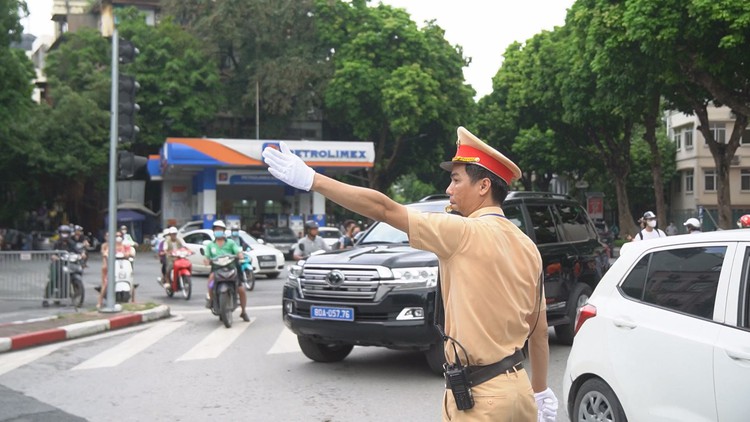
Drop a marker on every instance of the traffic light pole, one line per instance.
(110, 305)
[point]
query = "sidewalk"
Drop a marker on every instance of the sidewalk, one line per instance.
(22, 334)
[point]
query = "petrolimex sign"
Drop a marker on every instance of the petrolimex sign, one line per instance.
(357, 154)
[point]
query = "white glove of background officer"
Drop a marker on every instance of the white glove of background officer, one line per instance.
(288, 167)
(546, 402)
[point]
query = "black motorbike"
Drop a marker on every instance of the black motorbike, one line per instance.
(226, 280)
(65, 279)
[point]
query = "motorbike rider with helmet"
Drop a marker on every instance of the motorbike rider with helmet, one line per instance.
(171, 244)
(309, 243)
(63, 243)
(79, 237)
(224, 246)
(693, 225)
(744, 221)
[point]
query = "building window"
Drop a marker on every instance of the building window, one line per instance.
(745, 139)
(689, 181)
(745, 180)
(677, 137)
(719, 132)
(709, 180)
(688, 138)
(677, 183)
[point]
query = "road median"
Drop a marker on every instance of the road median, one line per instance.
(24, 334)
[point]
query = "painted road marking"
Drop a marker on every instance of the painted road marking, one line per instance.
(130, 347)
(216, 342)
(208, 312)
(285, 343)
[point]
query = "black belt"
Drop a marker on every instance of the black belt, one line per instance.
(480, 374)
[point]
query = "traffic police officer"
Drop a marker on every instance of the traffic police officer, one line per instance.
(490, 275)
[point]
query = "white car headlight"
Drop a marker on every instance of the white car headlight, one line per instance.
(410, 277)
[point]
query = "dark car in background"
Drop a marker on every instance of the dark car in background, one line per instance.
(382, 292)
(282, 238)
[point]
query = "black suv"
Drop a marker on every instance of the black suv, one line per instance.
(382, 291)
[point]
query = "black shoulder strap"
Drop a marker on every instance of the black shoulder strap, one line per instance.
(640, 233)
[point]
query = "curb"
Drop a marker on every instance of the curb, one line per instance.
(81, 329)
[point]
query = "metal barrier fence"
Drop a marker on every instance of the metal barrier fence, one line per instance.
(33, 275)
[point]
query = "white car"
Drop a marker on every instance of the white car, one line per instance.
(665, 336)
(266, 260)
(330, 235)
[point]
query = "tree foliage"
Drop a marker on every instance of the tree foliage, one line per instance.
(271, 45)
(393, 82)
(178, 80)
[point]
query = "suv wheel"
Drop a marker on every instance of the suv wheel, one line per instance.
(321, 352)
(578, 298)
(435, 357)
(595, 401)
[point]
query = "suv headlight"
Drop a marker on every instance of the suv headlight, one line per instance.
(413, 277)
(295, 270)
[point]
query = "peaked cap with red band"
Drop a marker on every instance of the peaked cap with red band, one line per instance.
(471, 150)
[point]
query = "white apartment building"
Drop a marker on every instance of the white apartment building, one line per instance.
(695, 185)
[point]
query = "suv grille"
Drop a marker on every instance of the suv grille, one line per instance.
(359, 283)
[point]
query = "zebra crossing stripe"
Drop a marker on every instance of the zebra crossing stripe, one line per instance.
(285, 343)
(130, 347)
(216, 342)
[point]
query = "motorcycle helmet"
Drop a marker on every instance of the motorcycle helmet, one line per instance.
(172, 230)
(64, 231)
(744, 221)
(219, 224)
(310, 224)
(648, 215)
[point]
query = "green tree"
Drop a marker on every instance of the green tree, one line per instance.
(178, 80)
(393, 82)
(16, 107)
(268, 46)
(702, 45)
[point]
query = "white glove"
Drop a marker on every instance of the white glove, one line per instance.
(288, 167)
(546, 402)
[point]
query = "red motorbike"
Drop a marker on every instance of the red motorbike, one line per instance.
(181, 272)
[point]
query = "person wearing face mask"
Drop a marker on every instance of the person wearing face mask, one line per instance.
(650, 231)
(223, 246)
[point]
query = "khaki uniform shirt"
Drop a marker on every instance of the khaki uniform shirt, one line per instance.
(489, 274)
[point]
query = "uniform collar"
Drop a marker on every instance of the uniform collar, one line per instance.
(485, 211)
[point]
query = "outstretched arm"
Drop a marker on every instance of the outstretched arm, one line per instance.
(290, 169)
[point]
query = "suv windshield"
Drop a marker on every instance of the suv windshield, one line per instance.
(384, 233)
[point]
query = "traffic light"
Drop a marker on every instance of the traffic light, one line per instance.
(127, 107)
(126, 51)
(127, 88)
(129, 164)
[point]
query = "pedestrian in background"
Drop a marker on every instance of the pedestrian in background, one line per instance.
(490, 278)
(671, 229)
(649, 229)
(692, 225)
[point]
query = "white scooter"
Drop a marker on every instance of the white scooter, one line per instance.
(124, 286)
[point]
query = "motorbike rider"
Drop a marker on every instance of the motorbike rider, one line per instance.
(80, 238)
(120, 248)
(126, 238)
(171, 244)
(63, 243)
(223, 246)
(310, 243)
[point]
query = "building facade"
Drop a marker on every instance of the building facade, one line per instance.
(694, 189)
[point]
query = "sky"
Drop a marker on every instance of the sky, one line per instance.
(484, 28)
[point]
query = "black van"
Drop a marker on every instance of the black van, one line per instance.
(382, 291)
